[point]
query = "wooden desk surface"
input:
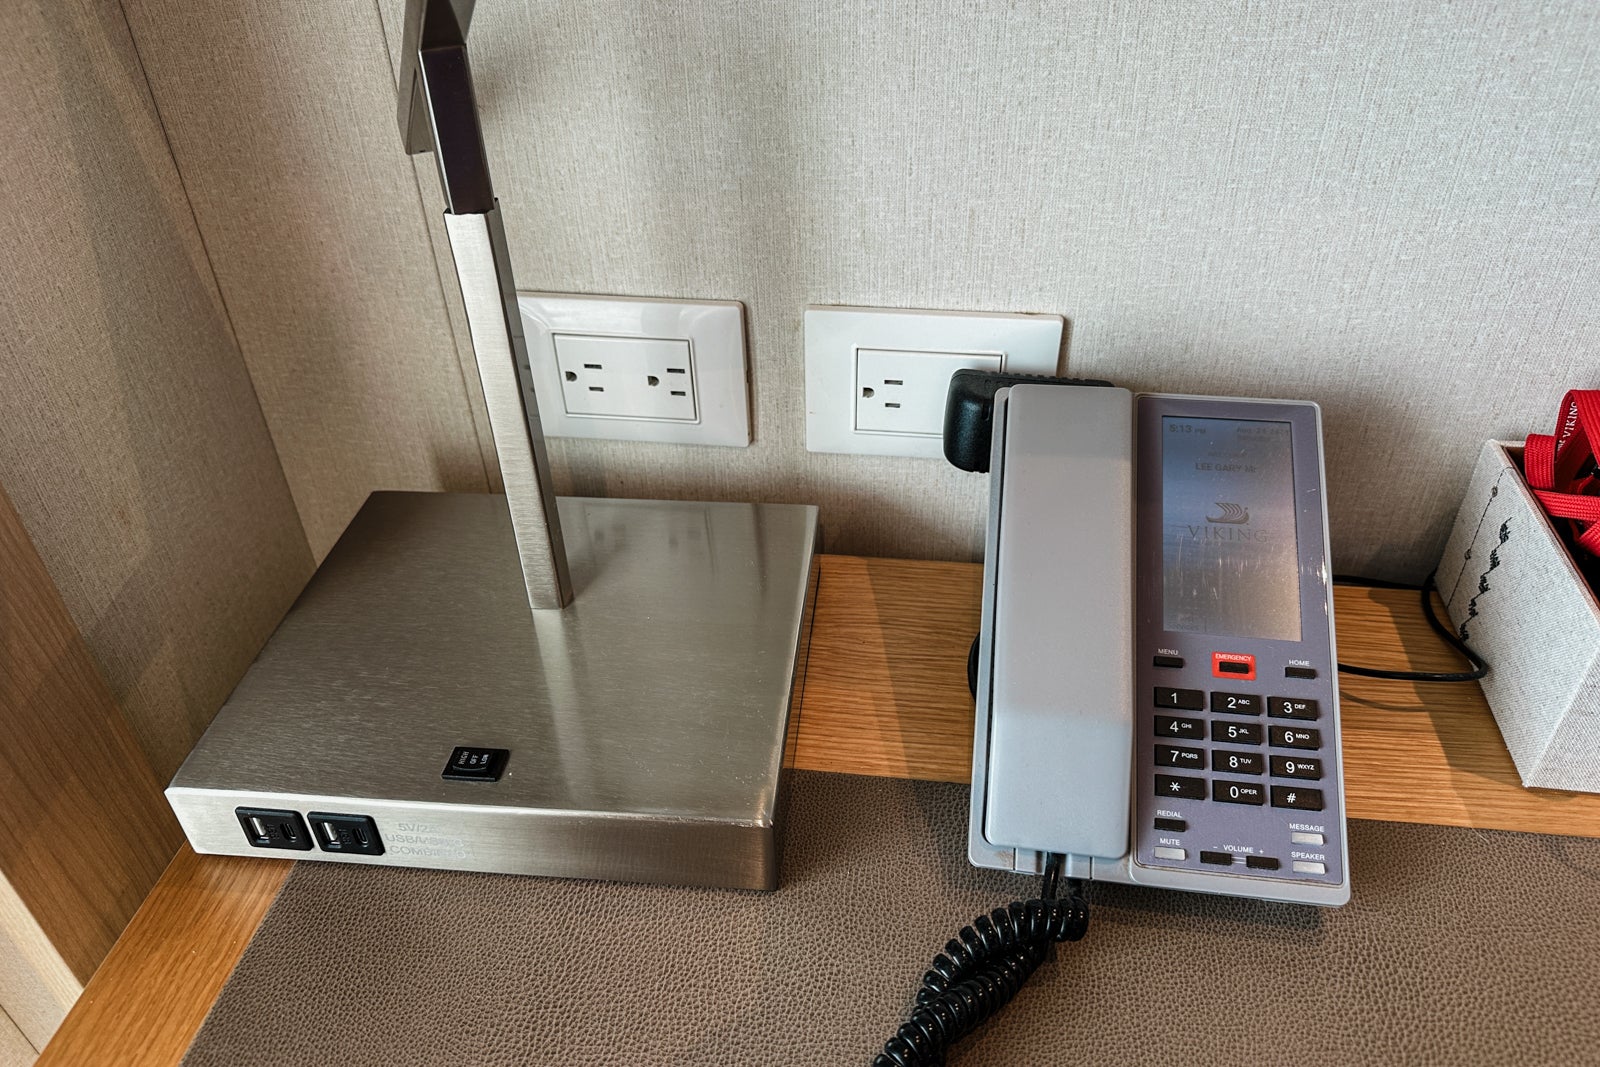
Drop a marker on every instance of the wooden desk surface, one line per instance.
(886, 694)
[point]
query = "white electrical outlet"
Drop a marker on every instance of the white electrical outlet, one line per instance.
(903, 392)
(626, 377)
(876, 378)
(638, 369)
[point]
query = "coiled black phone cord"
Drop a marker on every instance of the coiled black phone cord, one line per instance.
(982, 968)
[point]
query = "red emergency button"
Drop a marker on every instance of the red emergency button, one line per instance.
(1233, 665)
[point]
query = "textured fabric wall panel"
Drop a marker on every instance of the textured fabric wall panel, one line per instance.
(130, 439)
(14, 1048)
(85, 831)
(281, 118)
(1386, 208)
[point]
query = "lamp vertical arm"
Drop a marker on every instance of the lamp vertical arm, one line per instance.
(438, 113)
(478, 244)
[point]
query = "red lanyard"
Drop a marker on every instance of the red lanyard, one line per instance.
(1560, 467)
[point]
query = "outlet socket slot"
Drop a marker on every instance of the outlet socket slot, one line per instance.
(902, 392)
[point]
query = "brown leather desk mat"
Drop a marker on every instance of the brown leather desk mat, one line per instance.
(1461, 946)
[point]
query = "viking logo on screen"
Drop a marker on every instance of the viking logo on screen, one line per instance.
(1231, 523)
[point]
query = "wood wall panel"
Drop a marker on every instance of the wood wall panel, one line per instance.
(85, 830)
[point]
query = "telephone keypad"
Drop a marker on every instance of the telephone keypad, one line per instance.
(1171, 785)
(1181, 699)
(1237, 762)
(1235, 704)
(1227, 727)
(1189, 759)
(1296, 767)
(1236, 733)
(1292, 708)
(1171, 726)
(1291, 737)
(1238, 792)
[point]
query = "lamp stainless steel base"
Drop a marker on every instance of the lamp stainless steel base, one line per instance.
(648, 724)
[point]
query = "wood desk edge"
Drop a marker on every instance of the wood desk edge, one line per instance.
(149, 998)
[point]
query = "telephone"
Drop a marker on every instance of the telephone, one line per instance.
(1156, 679)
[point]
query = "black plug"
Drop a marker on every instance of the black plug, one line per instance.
(969, 412)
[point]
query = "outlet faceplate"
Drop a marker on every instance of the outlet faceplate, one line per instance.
(626, 377)
(876, 378)
(638, 369)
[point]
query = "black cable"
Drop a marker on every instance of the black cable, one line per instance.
(972, 665)
(1479, 666)
(982, 968)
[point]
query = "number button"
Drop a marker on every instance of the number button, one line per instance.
(1189, 759)
(1168, 785)
(1293, 796)
(1236, 733)
(1292, 708)
(1238, 762)
(1235, 704)
(1296, 767)
(1294, 737)
(1182, 699)
(1188, 729)
(1238, 792)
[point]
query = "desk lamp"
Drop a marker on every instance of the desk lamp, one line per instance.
(525, 684)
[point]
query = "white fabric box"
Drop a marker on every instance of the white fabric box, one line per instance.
(1517, 599)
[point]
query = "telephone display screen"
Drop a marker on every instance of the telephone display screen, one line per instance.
(1230, 563)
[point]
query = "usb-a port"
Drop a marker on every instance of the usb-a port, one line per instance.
(274, 828)
(355, 835)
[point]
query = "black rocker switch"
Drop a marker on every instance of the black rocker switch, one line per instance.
(476, 764)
